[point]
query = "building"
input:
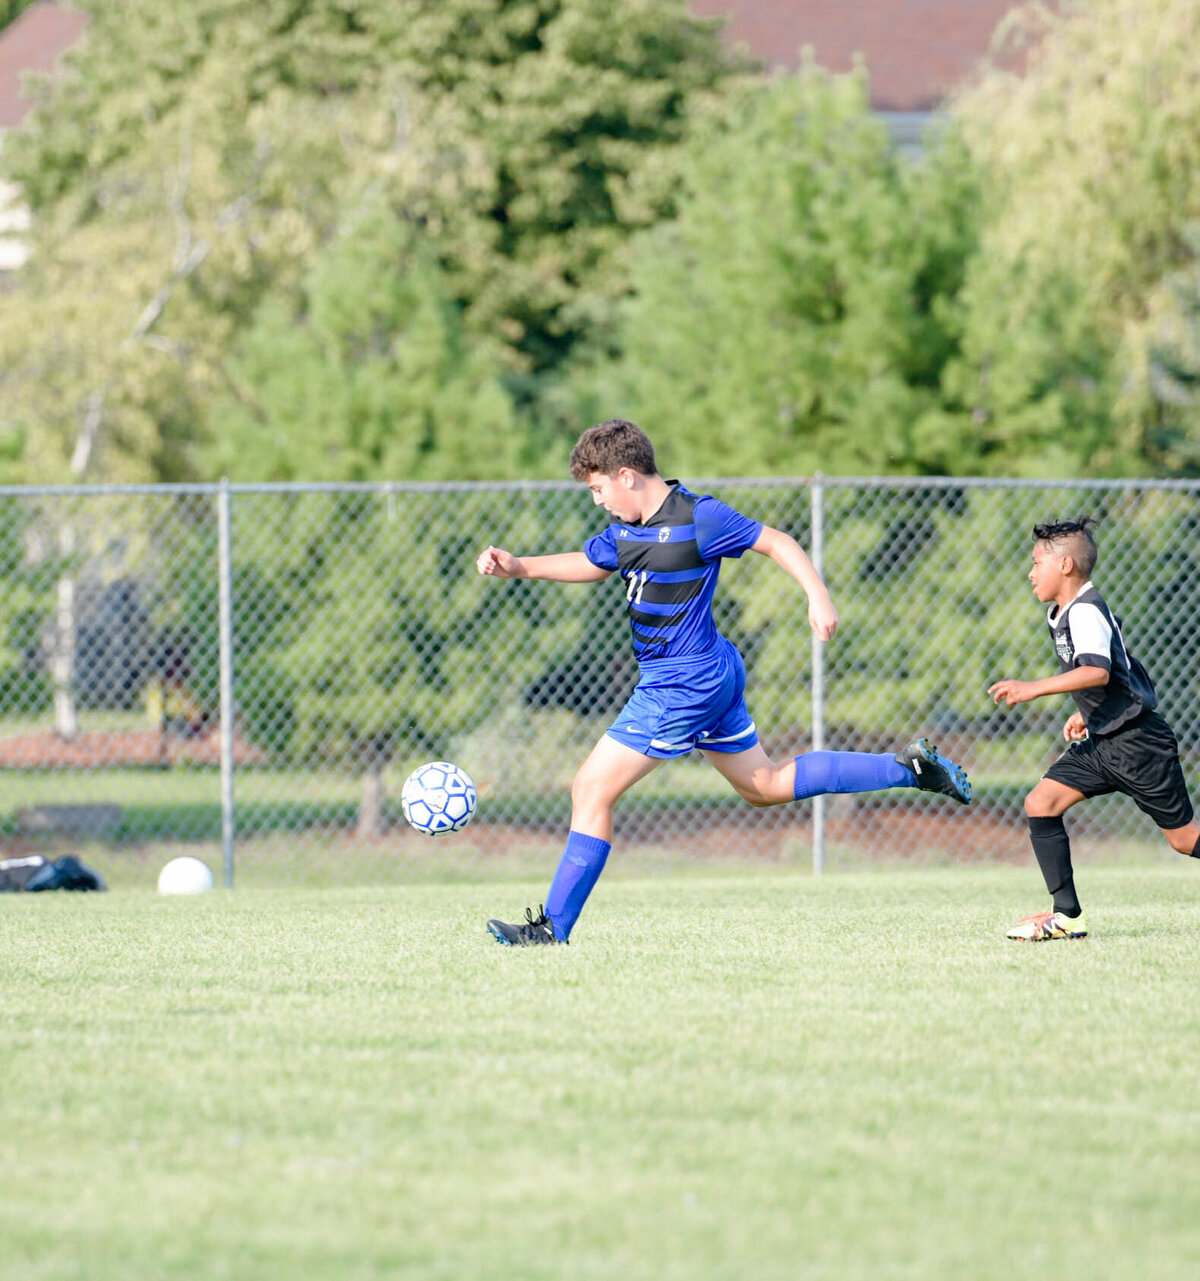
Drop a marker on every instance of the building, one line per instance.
(916, 51)
(33, 42)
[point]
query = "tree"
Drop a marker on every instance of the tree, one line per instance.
(371, 376)
(10, 9)
(579, 107)
(217, 171)
(199, 154)
(26, 605)
(1173, 365)
(800, 310)
(1090, 160)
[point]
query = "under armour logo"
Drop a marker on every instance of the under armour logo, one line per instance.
(623, 533)
(664, 535)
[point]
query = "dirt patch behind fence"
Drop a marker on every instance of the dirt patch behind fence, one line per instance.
(118, 749)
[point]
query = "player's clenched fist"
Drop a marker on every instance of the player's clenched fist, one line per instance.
(1075, 731)
(497, 562)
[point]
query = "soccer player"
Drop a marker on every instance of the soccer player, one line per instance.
(667, 545)
(1117, 741)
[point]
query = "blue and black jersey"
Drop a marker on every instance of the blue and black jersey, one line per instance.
(670, 563)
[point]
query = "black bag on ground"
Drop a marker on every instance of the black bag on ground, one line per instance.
(36, 873)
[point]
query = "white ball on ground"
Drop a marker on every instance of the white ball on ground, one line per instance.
(185, 876)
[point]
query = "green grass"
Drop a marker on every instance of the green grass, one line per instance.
(763, 1076)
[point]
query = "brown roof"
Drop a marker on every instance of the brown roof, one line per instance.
(33, 42)
(915, 50)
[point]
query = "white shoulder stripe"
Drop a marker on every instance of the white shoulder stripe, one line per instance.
(1091, 632)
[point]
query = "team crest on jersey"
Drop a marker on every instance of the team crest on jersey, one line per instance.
(664, 535)
(1062, 645)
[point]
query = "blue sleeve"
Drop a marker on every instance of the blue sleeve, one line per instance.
(721, 531)
(602, 550)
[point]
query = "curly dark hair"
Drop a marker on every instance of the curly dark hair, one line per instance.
(611, 445)
(1071, 538)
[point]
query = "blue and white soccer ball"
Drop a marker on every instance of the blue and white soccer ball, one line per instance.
(438, 798)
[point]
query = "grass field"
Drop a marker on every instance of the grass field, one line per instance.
(764, 1076)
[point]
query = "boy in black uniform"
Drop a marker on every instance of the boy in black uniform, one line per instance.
(1118, 742)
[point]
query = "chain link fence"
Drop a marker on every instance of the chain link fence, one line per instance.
(249, 672)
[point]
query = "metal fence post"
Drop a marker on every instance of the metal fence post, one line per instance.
(817, 555)
(225, 595)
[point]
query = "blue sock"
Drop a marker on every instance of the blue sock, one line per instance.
(582, 862)
(819, 773)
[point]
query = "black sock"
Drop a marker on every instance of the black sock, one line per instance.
(1053, 849)
(1196, 848)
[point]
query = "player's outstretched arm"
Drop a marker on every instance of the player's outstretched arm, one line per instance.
(565, 567)
(1014, 692)
(793, 560)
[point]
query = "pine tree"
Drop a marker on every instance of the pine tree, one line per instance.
(369, 375)
(799, 313)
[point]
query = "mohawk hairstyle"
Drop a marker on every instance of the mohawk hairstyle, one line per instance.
(1071, 538)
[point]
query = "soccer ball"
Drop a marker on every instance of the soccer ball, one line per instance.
(438, 798)
(185, 876)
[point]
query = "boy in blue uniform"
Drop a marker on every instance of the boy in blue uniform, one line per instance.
(1117, 741)
(667, 544)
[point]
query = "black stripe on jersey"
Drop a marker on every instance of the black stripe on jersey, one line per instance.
(655, 593)
(647, 643)
(662, 558)
(656, 620)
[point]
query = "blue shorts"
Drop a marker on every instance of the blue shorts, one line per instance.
(681, 704)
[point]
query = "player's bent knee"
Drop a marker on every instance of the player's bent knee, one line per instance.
(1040, 804)
(585, 790)
(593, 790)
(1182, 840)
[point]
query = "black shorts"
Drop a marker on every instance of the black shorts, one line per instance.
(1141, 760)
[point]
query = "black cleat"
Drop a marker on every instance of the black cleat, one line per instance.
(934, 772)
(535, 931)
